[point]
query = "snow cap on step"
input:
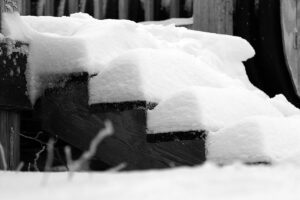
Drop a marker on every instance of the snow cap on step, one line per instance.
(151, 75)
(255, 140)
(207, 108)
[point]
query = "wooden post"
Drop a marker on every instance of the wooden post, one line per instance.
(82, 5)
(98, 9)
(124, 9)
(49, 8)
(214, 16)
(73, 6)
(149, 10)
(175, 9)
(26, 7)
(12, 91)
(9, 137)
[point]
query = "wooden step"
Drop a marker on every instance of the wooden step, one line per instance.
(65, 112)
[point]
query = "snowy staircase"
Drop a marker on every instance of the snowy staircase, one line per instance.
(65, 112)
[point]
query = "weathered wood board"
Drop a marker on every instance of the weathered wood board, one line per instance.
(9, 138)
(214, 16)
(124, 9)
(175, 9)
(65, 112)
(290, 23)
(99, 9)
(149, 10)
(73, 6)
(49, 7)
(13, 98)
(26, 7)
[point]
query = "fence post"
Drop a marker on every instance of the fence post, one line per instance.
(49, 8)
(26, 7)
(149, 10)
(99, 9)
(73, 6)
(12, 89)
(124, 9)
(214, 16)
(175, 9)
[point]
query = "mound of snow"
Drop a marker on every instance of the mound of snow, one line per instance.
(151, 75)
(205, 108)
(257, 139)
(64, 26)
(223, 52)
(282, 104)
(80, 43)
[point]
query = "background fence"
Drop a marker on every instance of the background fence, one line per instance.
(136, 10)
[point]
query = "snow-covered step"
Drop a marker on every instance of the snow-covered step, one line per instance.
(152, 74)
(205, 109)
(65, 112)
(128, 144)
(13, 63)
(257, 140)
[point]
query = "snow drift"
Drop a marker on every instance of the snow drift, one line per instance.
(257, 139)
(81, 43)
(205, 108)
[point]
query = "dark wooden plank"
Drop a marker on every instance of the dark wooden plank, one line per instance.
(65, 112)
(176, 136)
(123, 106)
(9, 138)
(13, 60)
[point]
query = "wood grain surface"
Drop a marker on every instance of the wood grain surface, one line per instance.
(214, 16)
(9, 137)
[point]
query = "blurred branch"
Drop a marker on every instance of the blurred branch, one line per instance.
(77, 165)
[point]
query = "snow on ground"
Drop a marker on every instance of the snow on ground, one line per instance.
(206, 182)
(209, 109)
(257, 139)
